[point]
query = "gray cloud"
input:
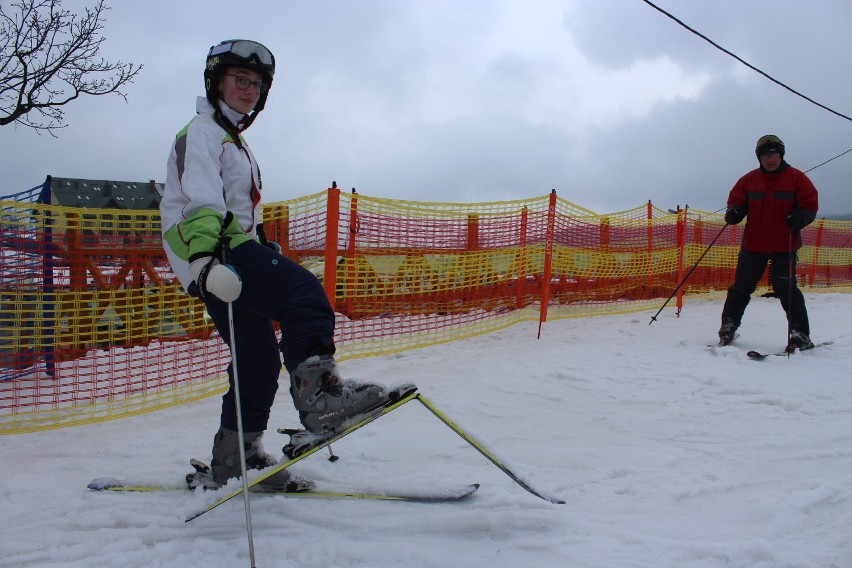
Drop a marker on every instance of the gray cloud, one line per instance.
(608, 102)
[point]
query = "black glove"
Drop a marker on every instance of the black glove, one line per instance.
(735, 214)
(799, 219)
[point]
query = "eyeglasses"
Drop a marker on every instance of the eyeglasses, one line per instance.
(244, 83)
(770, 154)
(245, 49)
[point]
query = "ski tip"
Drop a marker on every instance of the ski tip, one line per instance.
(103, 483)
(194, 516)
(468, 490)
(756, 355)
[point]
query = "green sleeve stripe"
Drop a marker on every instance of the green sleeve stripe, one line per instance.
(197, 235)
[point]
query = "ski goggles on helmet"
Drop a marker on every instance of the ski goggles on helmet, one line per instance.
(769, 144)
(246, 50)
(768, 139)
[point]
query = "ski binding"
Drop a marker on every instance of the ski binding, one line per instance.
(302, 441)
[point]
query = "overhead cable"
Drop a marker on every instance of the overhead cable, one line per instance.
(827, 161)
(747, 64)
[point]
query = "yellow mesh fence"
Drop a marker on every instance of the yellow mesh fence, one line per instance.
(93, 325)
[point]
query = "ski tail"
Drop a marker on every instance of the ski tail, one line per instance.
(758, 356)
(485, 452)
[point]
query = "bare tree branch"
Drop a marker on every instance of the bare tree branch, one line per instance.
(50, 57)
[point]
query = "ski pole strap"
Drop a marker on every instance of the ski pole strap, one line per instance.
(223, 250)
(261, 235)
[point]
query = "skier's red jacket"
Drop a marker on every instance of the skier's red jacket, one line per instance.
(770, 198)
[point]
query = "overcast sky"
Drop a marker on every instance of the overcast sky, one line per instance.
(607, 101)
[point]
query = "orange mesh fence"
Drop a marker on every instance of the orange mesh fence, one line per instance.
(93, 325)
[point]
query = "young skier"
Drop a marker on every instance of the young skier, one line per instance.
(210, 213)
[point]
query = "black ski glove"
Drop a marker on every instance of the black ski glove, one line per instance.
(799, 219)
(735, 214)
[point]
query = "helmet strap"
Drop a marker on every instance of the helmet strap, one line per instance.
(229, 127)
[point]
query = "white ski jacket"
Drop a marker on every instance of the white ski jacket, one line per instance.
(207, 176)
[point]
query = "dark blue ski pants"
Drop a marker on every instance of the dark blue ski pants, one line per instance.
(275, 289)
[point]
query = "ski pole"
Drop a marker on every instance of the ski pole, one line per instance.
(238, 405)
(224, 251)
(694, 266)
(790, 276)
(332, 457)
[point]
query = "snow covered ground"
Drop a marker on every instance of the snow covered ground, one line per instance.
(669, 453)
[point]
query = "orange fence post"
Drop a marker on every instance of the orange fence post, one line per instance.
(817, 245)
(332, 233)
(74, 246)
(548, 260)
(681, 251)
(350, 253)
(650, 229)
(472, 232)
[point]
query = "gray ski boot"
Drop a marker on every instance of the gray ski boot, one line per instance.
(226, 465)
(325, 401)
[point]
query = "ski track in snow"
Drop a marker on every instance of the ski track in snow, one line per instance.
(668, 452)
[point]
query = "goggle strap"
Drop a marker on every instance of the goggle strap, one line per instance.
(244, 49)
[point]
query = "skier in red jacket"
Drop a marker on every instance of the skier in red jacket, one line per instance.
(779, 201)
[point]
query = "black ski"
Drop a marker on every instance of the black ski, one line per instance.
(426, 496)
(758, 356)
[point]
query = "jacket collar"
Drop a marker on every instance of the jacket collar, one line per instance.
(234, 117)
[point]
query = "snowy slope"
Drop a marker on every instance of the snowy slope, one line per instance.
(668, 452)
